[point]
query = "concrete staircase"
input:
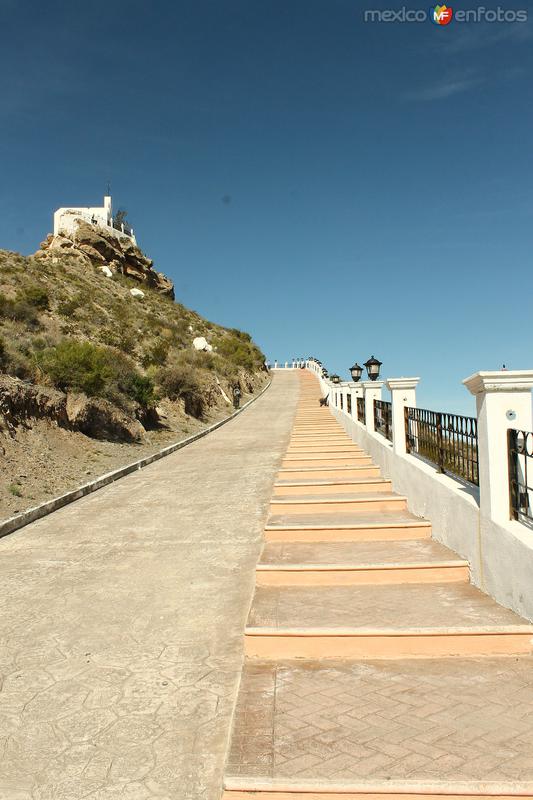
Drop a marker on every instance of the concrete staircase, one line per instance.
(373, 667)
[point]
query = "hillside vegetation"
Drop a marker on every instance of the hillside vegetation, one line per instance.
(80, 353)
(66, 325)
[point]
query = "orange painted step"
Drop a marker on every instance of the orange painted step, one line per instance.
(338, 504)
(382, 621)
(327, 450)
(338, 460)
(350, 563)
(294, 487)
(329, 473)
(390, 527)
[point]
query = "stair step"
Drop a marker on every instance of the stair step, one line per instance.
(338, 460)
(354, 527)
(311, 425)
(325, 443)
(338, 503)
(342, 564)
(381, 621)
(326, 449)
(299, 486)
(435, 728)
(329, 473)
(314, 434)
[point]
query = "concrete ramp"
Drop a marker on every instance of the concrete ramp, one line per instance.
(122, 617)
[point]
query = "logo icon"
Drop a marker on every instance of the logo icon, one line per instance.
(441, 15)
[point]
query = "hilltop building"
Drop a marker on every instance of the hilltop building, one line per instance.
(65, 220)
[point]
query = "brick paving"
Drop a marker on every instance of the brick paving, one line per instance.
(425, 719)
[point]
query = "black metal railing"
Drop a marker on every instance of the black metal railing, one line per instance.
(124, 227)
(349, 403)
(448, 440)
(361, 416)
(383, 418)
(520, 444)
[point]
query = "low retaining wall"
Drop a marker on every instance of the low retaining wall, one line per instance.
(500, 557)
(25, 517)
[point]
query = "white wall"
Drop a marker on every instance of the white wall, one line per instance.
(65, 219)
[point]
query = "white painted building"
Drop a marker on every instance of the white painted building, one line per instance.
(65, 219)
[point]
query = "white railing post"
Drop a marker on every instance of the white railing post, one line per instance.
(372, 391)
(503, 401)
(403, 393)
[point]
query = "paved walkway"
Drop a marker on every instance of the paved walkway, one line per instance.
(373, 667)
(122, 618)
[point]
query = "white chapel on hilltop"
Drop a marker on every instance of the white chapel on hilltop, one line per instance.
(65, 220)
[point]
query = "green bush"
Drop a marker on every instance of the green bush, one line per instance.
(141, 389)
(182, 380)
(96, 371)
(35, 295)
(245, 337)
(240, 350)
(68, 307)
(177, 380)
(157, 354)
(18, 311)
(80, 366)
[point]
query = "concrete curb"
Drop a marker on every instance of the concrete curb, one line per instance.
(25, 517)
(398, 787)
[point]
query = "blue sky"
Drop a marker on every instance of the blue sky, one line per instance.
(336, 188)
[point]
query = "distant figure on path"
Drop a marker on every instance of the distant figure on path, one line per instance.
(236, 396)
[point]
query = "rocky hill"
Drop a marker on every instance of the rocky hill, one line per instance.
(99, 365)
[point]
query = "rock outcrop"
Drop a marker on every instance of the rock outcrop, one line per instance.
(20, 403)
(100, 247)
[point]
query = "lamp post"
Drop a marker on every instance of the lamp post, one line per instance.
(335, 379)
(356, 371)
(372, 367)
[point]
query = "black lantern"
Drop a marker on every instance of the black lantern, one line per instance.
(372, 367)
(356, 371)
(335, 379)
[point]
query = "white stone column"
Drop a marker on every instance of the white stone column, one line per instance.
(403, 393)
(372, 391)
(503, 401)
